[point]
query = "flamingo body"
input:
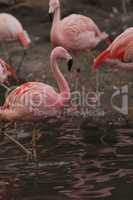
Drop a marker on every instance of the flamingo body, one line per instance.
(121, 48)
(35, 100)
(11, 29)
(32, 101)
(75, 32)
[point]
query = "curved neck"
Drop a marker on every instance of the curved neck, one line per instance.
(57, 17)
(62, 83)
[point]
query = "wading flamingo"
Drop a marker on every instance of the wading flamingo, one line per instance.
(11, 30)
(76, 32)
(120, 53)
(33, 101)
(6, 71)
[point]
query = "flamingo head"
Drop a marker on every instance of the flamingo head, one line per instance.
(100, 59)
(59, 53)
(5, 71)
(107, 39)
(53, 6)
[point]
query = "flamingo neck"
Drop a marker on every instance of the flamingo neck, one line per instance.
(57, 17)
(61, 81)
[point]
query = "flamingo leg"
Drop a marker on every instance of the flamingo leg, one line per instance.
(21, 61)
(77, 74)
(6, 54)
(34, 146)
(15, 127)
(98, 103)
(28, 153)
(77, 79)
(7, 88)
(124, 7)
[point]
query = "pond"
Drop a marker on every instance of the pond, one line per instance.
(74, 162)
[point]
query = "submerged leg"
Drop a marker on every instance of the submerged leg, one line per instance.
(16, 134)
(34, 146)
(28, 153)
(98, 103)
(77, 79)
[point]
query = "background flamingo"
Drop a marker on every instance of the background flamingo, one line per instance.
(33, 101)
(76, 32)
(6, 71)
(11, 29)
(120, 53)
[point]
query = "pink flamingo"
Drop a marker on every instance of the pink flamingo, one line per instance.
(5, 71)
(33, 101)
(76, 32)
(120, 53)
(12, 30)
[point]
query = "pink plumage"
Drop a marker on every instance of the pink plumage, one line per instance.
(11, 29)
(5, 71)
(35, 100)
(121, 48)
(75, 32)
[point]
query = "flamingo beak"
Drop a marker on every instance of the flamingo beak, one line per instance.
(70, 64)
(51, 14)
(105, 43)
(109, 40)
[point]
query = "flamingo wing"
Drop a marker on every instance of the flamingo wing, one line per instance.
(10, 26)
(128, 55)
(119, 49)
(34, 95)
(75, 29)
(121, 42)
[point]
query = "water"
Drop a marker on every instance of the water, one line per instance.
(75, 162)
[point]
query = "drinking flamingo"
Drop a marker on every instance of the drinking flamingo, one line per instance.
(33, 101)
(6, 71)
(120, 53)
(75, 32)
(11, 30)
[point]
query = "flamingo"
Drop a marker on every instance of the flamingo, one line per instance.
(33, 101)
(120, 53)
(75, 32)
(11, 30)
(6, 71)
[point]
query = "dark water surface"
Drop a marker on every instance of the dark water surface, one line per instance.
(74, 163)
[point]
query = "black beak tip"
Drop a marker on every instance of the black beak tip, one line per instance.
(51, 17)
(70, 63)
